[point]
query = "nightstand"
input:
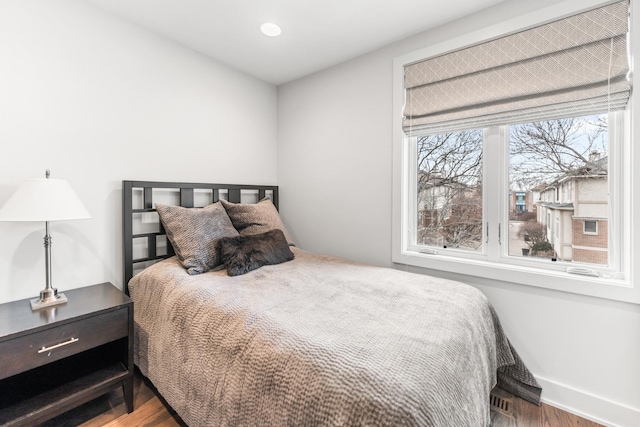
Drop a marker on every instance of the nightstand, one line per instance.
(57, 358)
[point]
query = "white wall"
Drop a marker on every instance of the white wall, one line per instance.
(97, 100)
(335, 174)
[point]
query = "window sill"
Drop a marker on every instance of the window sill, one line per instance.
(614, 289)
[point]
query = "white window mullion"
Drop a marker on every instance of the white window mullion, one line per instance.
(493, 189)
(503, 189)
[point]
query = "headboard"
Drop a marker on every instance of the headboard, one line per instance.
(141, 227)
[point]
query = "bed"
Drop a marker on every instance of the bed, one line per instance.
(313, 340)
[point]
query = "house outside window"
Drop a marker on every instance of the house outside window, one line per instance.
(520, 202)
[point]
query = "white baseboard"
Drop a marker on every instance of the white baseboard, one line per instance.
(588, 405)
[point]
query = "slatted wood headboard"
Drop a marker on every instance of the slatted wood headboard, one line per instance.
(137, 199)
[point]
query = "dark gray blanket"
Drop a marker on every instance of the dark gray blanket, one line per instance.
(321, 341)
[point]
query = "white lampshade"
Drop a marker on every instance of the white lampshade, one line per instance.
(43, 199)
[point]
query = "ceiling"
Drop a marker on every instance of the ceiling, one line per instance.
(315, 34)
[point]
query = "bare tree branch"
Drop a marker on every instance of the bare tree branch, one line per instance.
(544, 151)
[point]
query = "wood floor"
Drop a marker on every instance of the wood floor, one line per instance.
(150, 410)
(510, 411)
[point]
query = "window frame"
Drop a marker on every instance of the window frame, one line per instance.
(491, 263)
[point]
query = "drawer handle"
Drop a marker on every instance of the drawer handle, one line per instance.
(53, 347)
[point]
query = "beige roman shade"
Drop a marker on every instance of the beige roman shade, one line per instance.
(574, 66)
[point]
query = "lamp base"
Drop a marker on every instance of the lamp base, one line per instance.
(47, 299)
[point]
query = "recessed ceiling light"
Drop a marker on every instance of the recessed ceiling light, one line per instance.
(270, 29)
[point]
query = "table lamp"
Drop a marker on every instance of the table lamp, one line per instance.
(45, 200)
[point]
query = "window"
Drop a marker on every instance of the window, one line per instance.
(548, 156)
(515, 171)
(520, 202)
(449, 190)
(543, 157)
(590, 227)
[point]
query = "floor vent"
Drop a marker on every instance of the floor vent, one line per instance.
(501, 404)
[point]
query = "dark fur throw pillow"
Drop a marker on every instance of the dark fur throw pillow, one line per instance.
(243, 254)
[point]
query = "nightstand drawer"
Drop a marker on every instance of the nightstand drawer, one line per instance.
(37, 349)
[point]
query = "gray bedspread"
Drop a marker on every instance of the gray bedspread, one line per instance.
(321, 341)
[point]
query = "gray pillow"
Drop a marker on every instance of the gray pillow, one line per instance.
(195, 232)
(250, 219)
(243, 254)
